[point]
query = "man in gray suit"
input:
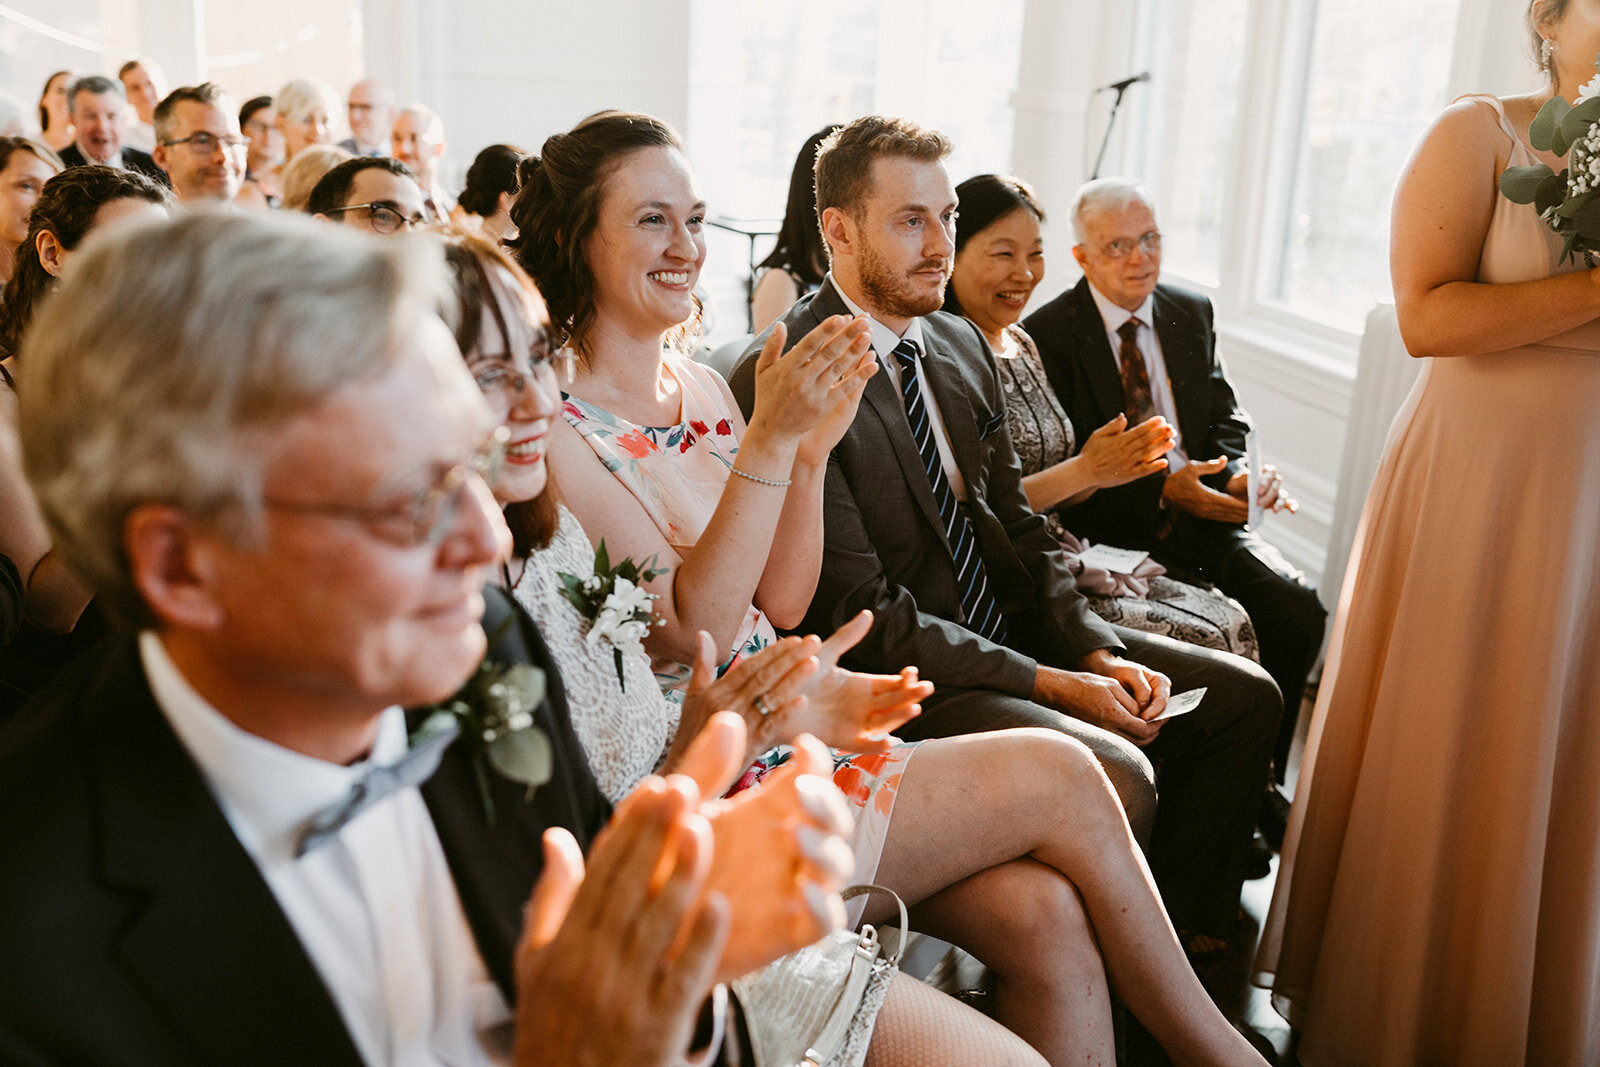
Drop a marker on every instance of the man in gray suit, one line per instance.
(926, 524)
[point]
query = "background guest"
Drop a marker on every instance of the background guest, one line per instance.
(144, 87)
(263, 165)
(799, 259)
(301, 174)
(370, 109)
(24, 168)
(199, 144)
(305, 108)
(55, 117)
(1000, 260)
(485, 202)
(73, 204)
(418, 141)
(372, 193)
(97, 107)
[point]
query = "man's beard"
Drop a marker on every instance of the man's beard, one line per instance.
(892, 293)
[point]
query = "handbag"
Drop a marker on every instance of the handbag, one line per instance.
(817, 1007)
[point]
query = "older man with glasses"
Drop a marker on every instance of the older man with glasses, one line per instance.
(198, 144)
(372, 193)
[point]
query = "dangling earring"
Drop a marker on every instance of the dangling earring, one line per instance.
(1547, 51)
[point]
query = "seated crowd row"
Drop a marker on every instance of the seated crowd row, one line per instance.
(323, 473)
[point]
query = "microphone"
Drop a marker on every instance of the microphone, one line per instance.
(1134, 79)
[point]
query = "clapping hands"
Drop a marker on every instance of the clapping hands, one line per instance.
(810, 393)
(615, 962)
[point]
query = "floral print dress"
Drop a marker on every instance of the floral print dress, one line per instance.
(677, 473)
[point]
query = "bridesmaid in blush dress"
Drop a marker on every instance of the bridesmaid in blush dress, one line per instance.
(1440, 895)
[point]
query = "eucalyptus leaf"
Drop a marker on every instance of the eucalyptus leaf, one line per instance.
(1587, 221)
(529, 681)
(1558, 143)
(1550, 193)
(1546, 122)
(1521, 185)
(523, 756)
(1569, 206)
(1575, 124)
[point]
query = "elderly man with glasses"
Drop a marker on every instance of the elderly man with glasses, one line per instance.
(372, 193)
(198, 144)
(1122, 342)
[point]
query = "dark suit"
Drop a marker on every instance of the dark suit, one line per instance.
(1078, 360)
(886, 549)
(138, 928)
(132, 159)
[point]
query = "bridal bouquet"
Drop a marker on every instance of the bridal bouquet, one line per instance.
(614, 602)
(1568, 202)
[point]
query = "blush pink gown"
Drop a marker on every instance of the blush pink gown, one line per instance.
(1440, 895)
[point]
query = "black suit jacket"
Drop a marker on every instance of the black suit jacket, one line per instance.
(1078, 360)
(132, 158)
(886, 547)
(138, 929)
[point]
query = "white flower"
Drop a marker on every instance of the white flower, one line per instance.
(627, 599)
(520, 721)
(592, 584)
(604, 626)
(1589, 89)
(630, 634)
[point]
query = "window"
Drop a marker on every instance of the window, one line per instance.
(1196, 50)
(766, 76)
(1364, 101)
(1272, 137)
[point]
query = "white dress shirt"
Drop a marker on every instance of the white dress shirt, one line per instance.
(375, 909)
(1155, 364)
(884, 341)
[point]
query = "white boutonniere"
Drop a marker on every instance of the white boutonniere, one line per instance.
(614, 602)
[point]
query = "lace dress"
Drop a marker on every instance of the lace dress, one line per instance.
(1150, 602)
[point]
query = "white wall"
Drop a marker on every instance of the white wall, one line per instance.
(517, 71)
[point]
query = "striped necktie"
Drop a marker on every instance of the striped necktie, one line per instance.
(982, 613)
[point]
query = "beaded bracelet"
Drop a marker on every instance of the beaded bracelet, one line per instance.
(760, 480)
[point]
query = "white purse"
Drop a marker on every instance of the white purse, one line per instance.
(817, 1007)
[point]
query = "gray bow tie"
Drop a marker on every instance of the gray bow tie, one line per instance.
(414, 768)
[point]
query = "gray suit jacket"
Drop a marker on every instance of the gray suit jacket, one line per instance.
(886, 547)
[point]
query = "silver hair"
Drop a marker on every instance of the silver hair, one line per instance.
(432, 124)
(295, 100)
(175, 351)
(1105, 194)
(94, 85)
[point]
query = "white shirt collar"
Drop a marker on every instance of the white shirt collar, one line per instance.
(266, 791)
(1114, 315)
(884, 339)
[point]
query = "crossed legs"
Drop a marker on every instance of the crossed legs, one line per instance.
(1014, 845)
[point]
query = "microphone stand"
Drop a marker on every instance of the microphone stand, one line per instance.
(1110, 123)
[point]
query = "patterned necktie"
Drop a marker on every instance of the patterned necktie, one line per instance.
(982, 613)
(414, 768)
(1136, 399)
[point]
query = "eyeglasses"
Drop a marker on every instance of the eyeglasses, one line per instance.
(503, 384)
(203, 144)
(1122, 247)
(385, 218)
(428, 517)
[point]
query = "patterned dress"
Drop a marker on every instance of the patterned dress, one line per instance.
(1153, 602)
(677, 474)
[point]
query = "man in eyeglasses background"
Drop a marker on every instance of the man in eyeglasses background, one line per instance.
(373, 193)
(198, 144)
(1122, 342)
